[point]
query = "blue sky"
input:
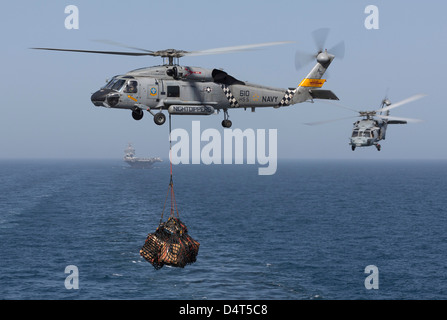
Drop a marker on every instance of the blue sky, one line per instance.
(46, 110)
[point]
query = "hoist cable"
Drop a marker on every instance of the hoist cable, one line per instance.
(173, 208)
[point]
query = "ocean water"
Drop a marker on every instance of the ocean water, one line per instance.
(307, 232)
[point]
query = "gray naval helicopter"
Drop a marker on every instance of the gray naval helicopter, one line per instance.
(371, 129)
(187, 90)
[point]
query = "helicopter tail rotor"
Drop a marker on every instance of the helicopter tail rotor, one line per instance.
(386, 102)
(319, 36)
(401, 103)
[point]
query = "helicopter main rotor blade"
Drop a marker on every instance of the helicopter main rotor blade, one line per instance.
(121, 53)
(400, 103)
(119, 44)
(170, 52)
(338, 105)
(328, 121)
(234, 48)
(398, 118)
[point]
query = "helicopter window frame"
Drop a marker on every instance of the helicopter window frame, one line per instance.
(110, 83)
(118, 84)
(366, 133)
(128, 89)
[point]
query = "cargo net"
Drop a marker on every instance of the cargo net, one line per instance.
(170, 244)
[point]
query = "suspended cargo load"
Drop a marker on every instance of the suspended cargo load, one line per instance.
(170, 245)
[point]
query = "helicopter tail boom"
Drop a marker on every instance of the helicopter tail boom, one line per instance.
(309, 86)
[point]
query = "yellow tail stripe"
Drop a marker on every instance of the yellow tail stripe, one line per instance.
(314, 83)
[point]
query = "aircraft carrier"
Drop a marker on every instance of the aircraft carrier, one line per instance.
(135, 162)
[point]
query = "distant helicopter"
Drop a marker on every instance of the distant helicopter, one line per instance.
(372, 128)
(186, 90)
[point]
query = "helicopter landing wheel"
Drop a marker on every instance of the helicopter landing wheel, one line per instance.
(159, 118)
(226, 123)
(137, 114)
(353, 148)
(378, 146)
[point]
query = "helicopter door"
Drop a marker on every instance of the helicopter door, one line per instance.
(132, 92)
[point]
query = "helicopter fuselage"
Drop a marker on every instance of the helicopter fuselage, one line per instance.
(367, 132)
(199, 91)
(153, 88)
(372, 127)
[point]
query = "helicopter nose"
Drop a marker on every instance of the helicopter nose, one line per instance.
(359, 141)
(99, 97)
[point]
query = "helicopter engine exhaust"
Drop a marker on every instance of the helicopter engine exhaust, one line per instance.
(191, 110)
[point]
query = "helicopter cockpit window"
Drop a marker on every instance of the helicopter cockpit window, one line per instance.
(131, 87)
(355, 133)
(115, 84)
(366, 134)
(118, 85)
(110, 83)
